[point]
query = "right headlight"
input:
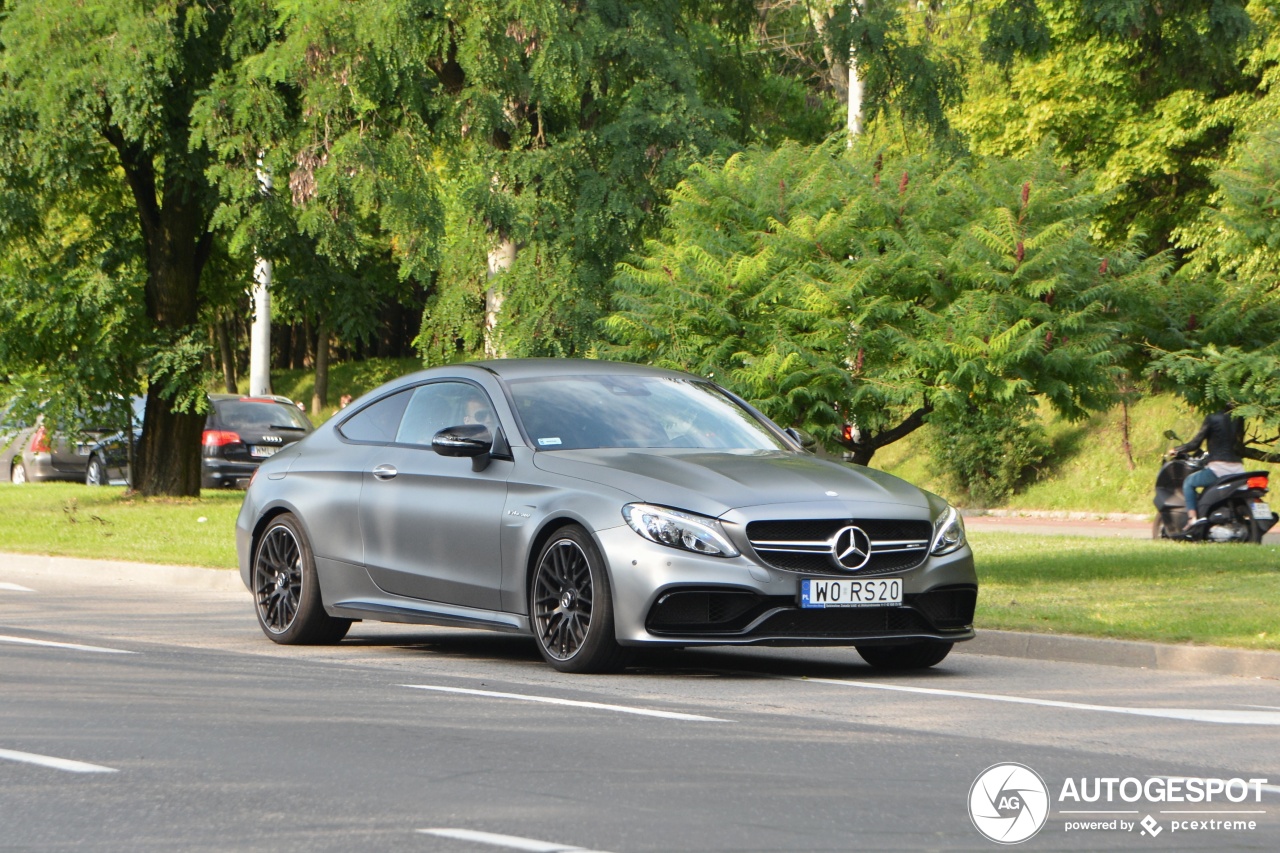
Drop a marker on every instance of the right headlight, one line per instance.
(682, 530)
(948, 533)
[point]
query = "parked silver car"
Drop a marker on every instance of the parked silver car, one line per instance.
(32, 453)
(599, 507)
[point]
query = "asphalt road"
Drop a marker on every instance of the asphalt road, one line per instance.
(199, 734)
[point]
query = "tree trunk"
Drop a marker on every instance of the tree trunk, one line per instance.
(320, 397)
(1124, 434)
(228, 358)
(865, 448)
(855, 85)
(501, 257)
(169, 453)
(837, 68)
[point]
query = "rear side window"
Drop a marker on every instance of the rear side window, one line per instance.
(376, 423)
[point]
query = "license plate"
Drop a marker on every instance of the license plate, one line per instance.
(82, 450)
(1261, 510)
(816, 593)
(258, 450)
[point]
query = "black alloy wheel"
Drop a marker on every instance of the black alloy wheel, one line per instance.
(286, 591)
(95, 474)
(906, 656)
(571, 609)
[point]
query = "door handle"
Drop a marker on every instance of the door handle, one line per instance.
(385, 472)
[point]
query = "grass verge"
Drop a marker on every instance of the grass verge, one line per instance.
(71, 520)
(1130, 589)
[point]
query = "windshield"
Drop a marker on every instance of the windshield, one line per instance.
(575, 412)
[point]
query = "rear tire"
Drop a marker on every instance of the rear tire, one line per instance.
(286, 590)
(1157, 528)
(18, 473)
(1245, 512)
(571, 606)
(905, 657)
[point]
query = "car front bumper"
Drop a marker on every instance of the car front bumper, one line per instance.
(665, 596)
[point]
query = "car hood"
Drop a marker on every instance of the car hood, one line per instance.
(713, 483)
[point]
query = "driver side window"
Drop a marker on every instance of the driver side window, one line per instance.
(439, 405)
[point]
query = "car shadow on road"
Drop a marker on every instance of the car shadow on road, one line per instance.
(720, 661)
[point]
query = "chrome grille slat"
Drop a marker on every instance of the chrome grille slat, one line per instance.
(895, 545)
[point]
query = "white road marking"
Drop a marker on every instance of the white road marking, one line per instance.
(55, 763)
(13, 587)
(23, 641)
(572, 703)
(513, 842)
(1196, 715)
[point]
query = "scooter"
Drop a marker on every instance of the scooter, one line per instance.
(1233, 509)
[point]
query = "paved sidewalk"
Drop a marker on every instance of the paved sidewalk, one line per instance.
(1158, 656)
(1114, 526)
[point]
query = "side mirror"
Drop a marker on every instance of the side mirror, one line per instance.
(1172, 436)
(463, 440)
(801, 438)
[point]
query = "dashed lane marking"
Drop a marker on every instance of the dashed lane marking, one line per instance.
(77, 647)
(54, 763)
(572, 703)
(13, 587)
(1196, 715)
(511, 842)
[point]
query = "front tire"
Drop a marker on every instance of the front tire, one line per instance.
(286, 590)
(905, 657)
(95, 473)
(571, 606)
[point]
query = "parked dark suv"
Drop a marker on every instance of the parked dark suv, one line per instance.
(238, 434)
(241, 432)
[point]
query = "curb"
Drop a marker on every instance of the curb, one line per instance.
(1210, 660)
(1059, 514)
(119, 572)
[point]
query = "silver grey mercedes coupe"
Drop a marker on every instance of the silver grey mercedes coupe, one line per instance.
(599, 507)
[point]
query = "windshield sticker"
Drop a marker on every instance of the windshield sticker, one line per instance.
(548, 442)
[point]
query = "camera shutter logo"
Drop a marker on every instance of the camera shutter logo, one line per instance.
(1008, 803)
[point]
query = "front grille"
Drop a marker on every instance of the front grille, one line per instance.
(843, 622)
(805, 545)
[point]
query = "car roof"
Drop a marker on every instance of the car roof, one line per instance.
(537, 368)
(252, 398)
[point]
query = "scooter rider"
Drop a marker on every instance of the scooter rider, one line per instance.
(1225, 435)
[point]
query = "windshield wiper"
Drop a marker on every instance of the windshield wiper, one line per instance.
(286, 426)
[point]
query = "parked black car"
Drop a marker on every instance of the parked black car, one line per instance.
(238, 434)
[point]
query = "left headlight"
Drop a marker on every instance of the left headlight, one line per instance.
(948, 533)
(682, 530)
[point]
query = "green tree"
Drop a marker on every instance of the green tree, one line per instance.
(95, 96)
(1146, 93)
(858, 289)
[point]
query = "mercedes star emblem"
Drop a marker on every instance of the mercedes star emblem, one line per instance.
(851, 548)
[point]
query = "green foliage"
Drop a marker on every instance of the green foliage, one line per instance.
(988, 452)
(832, 288)
(1147, 93)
